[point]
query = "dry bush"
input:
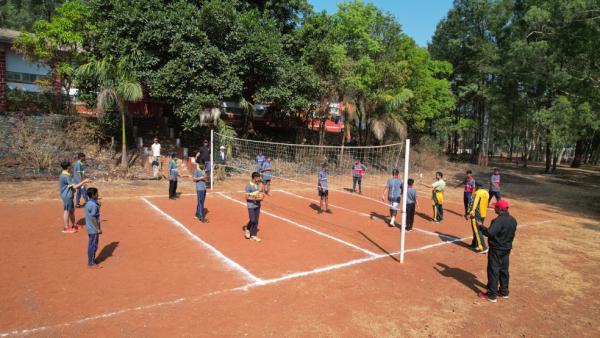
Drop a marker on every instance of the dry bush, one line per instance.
(43, 147)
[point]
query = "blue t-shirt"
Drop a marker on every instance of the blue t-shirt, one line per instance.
(172, 170)
(92, 211)
(411, 195)
(200, 185)
(260, 159)
(394, 186)
(323, 180)
(266, 169)
(252, 188)
(78, 172)
(358, 169)
(65, 186)
(495, 179)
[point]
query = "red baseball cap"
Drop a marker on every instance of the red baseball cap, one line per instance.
(502, 204)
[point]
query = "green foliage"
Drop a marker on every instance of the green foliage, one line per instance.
(60, 42)
(21, 14)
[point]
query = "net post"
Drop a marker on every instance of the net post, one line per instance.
(404, 195)
(212, 163)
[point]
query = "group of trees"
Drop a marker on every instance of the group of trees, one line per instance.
(195, 54)
(522, 75)
(526, 77)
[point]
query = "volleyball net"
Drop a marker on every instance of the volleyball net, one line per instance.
(299, 164)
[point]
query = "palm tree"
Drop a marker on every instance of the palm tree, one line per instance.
(117, 84)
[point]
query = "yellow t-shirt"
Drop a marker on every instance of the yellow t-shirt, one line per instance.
(480, 203)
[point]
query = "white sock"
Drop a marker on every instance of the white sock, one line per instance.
(393, 220)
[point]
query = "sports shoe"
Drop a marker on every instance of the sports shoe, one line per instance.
(69, 231)
(247, 234)
(483, 252)
(485, 296)
(408, 229)
(94, 266)
(256, 239)
(503, 296)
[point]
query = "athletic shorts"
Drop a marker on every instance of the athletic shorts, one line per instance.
(323, 193)
(266, 180)
(67, 204)
(394, 203)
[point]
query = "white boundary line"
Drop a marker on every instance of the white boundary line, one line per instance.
(315, 201)
(361, 213)
(228, 261)
(241, 288)
(368, 252)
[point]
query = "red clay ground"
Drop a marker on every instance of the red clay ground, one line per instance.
(158, 281)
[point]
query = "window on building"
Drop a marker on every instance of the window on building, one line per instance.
(24, 77)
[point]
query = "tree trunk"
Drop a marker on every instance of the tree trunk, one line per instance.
(512, 133)
(579, 150)
(560, 156)
(548, 156)
(555, 156)
(124, 141)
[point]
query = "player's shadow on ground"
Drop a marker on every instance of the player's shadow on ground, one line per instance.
(466, 278)
(454, 212)
(424, 216)
(81, 221)
(378, 216)
(379, 247)
(315, 206)
(107, 252)
(453, 239)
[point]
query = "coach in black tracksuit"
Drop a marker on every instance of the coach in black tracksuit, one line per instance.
(500, 237)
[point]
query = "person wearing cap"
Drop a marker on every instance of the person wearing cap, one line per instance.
(477, 212)
(500, 234)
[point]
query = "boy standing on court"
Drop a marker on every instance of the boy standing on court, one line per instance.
(411, 204)
(173, 174)
(200, 178)
(358, 169)
(92, 224)
(260, 159)
(469, 184)
(156, 158)
(266, 170)
(66, 190)
(323, 188)
(437, 196)
(477, 213)
(78, 174)
(393, 190)
(253, 199)
(495, 185)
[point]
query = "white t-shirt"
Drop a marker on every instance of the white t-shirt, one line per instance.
(155, 149)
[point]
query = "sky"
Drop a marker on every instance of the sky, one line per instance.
(417, 17)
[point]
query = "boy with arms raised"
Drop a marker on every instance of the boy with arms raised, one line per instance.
(66, 190)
